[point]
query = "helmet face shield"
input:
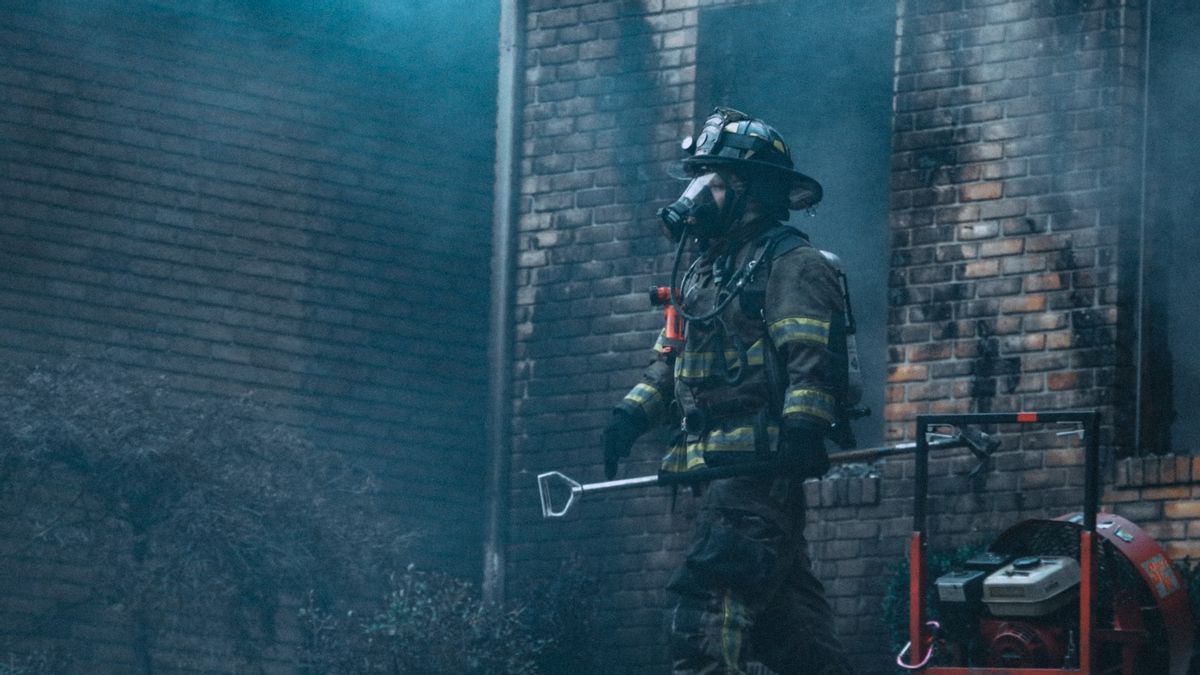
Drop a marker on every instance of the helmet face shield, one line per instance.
(705, 209)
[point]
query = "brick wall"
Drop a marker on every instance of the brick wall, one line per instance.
(1014, 189)
(266, 198)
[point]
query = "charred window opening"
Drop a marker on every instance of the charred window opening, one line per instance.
(1169, 360)
(821, 73)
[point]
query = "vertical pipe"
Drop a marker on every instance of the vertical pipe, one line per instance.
(1091, 471)
(500, 340)
(916, 598)
(916, 554)
(1087, 571)
(1087, 542)
(1139, 308)
(921, 479)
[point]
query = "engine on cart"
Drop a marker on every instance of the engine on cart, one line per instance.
(1017, 605)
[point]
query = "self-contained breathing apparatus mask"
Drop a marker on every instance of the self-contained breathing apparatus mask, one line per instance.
(705, 210)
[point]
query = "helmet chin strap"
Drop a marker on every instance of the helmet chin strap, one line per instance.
(736, 216)
(733, 211)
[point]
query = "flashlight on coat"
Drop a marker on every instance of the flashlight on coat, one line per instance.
(660, 296)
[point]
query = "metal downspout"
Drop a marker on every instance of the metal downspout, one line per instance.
(500, 334)
(1139, 312)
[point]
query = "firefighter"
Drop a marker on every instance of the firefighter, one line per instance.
(760, 373)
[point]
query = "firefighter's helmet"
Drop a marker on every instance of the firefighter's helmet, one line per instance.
(734, 139)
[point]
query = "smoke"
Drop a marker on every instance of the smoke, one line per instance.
(821, 73)
(287, 195)
(1171, 363)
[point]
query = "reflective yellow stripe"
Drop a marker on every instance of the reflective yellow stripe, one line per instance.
(642, 394)
(731, 636)
(810, 402)
(680, 458)
(648, 398)
(740, 438)
(661, 343)
(799, 329)
(699, 365)
(731, 440)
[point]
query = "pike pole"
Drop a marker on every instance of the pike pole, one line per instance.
(554, 484)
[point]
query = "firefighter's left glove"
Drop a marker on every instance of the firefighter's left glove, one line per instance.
(622, 430)
(803, 443)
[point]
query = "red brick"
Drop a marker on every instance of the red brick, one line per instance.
(979, 269)
(1026, 303)
(1061, 339)
(1168, 494)
(1045, 282)
(980, 191)
(1048, 321)
(908, 373)
(1062, 380)
(1006, 246)
(1183, 550)
(1182, 509)
(931, 351)
(1023, 264)
(983, 230)
(898, 412)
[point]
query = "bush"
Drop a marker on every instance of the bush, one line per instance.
(37, 663)
(180, 512)
(896, 595)
(177, 510)
(433, 622)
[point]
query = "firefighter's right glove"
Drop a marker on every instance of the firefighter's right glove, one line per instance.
(622, 430)
(803, 442)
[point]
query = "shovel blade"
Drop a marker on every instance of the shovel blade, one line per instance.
(551, 482)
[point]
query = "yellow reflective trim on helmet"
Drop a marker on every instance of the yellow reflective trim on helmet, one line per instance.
(780, 146)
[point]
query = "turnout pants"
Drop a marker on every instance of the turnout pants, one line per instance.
(746, 591)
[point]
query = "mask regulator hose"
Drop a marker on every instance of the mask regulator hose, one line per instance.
(707, 317)
(725, 296)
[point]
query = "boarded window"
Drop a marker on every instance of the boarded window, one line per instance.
(821, 73)
(1169, 319)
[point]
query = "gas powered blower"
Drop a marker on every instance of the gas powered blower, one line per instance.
(1087, 592)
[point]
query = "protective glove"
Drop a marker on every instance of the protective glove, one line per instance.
(803, 442)
(622, 430)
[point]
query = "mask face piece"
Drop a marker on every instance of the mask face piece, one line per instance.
(705, 209)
